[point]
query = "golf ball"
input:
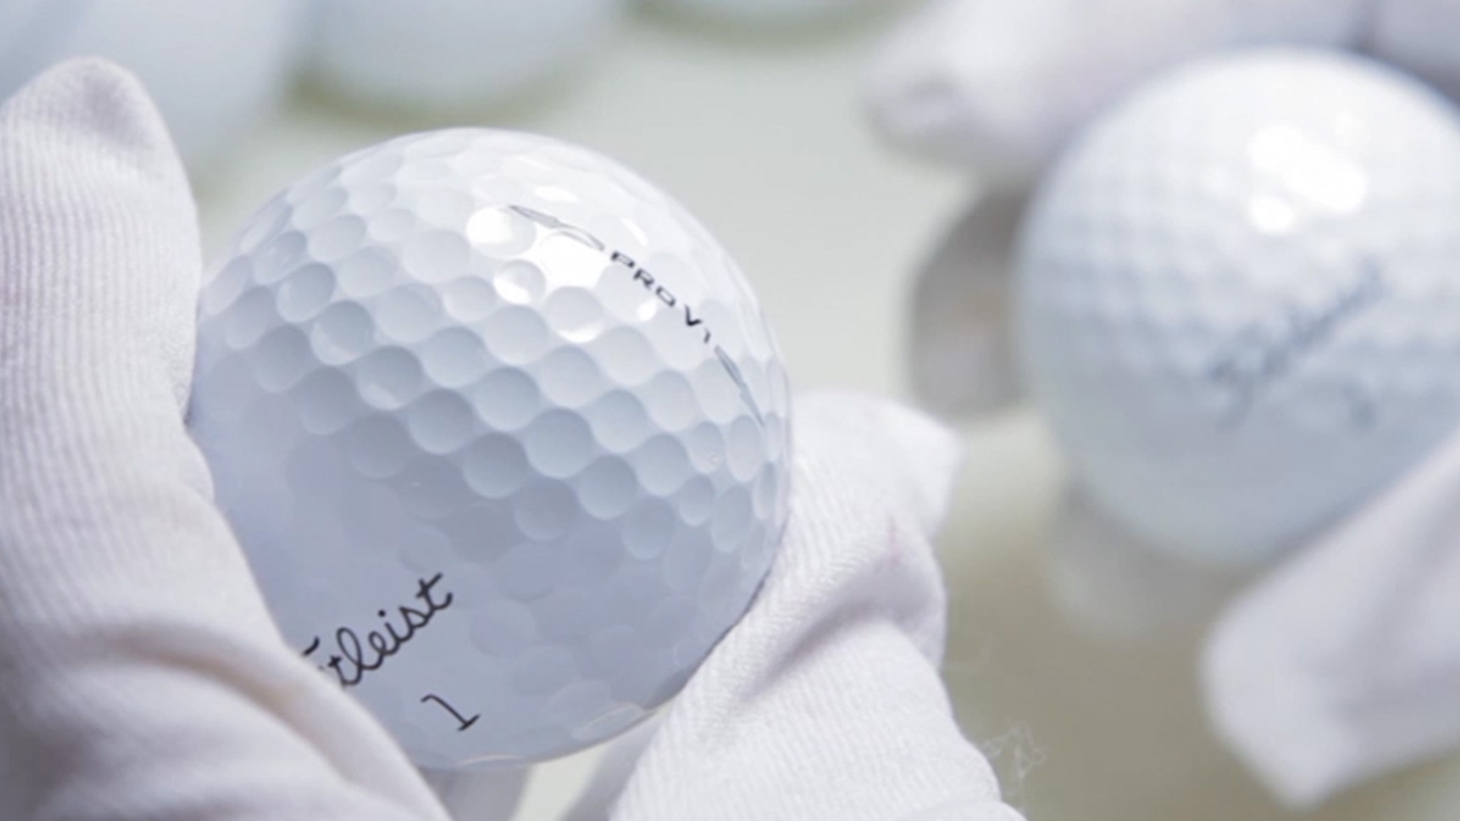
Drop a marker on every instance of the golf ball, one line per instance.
(503, 433)
(450, 53)
(1238, 302)
(214, 69)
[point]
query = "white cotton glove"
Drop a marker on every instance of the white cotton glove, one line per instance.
(824, 702)
(1000, 85)
(1344, 664)
(140, 674)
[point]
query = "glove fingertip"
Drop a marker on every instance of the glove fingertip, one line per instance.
(90, 100)
(99, 241)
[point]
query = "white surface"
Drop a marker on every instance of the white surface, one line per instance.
(765, 141)
(1090, 729)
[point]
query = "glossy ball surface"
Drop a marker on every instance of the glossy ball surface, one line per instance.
(1238, 298)
(426, 54)
(503, 432)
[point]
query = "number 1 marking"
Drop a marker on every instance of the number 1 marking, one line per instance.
(463, 720)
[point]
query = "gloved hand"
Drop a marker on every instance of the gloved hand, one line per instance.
(141, 676)
(1343, 664)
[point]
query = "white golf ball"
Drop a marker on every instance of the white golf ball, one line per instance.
(215, 69)
(503, 432)
(1239, 303)
(425, 54)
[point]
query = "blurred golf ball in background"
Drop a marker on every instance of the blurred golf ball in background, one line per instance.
(1002, 85)
(1239, 298)
(503, 432)
(423, 54)
(215, 69)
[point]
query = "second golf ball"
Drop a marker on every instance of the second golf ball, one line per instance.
(503, 432)
(1239, 302)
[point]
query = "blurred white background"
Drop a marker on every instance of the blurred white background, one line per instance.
(764, 137)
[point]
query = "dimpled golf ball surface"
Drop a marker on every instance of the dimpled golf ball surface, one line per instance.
(1239, 298)
(451, 53)
(503, 433)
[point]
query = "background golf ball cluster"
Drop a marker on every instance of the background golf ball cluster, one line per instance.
(217, 69)
(1190, 308)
